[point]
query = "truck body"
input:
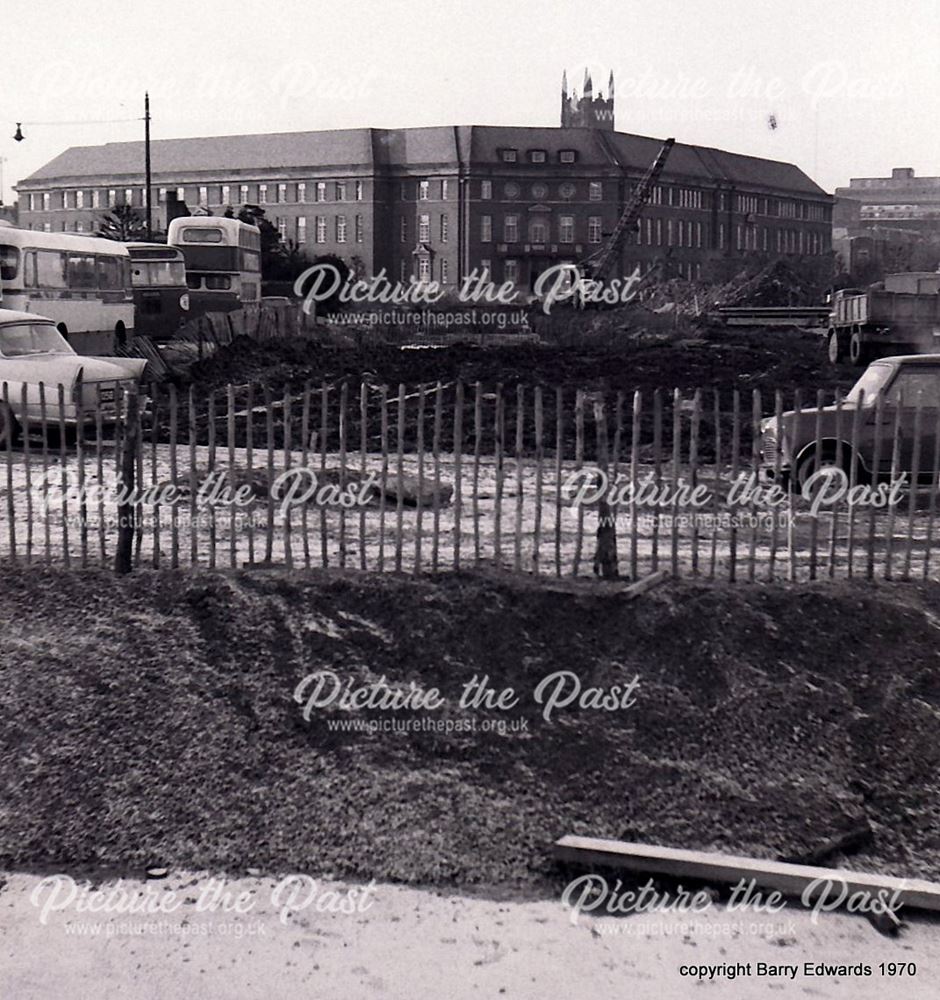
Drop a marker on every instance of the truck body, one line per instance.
(898, 316)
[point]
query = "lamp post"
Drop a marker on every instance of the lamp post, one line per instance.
(148, 212)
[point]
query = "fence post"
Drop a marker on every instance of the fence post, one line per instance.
(127, 508)
(605, 556)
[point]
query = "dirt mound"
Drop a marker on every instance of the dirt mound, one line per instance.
(778, 284)
(153, 719)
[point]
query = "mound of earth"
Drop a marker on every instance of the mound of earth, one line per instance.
(152, 719)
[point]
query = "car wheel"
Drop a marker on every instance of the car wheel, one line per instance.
(828, 459)
(9, 427)
(836, 346)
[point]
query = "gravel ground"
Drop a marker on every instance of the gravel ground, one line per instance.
(151, 719)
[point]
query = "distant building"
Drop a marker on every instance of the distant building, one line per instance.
(442, 202)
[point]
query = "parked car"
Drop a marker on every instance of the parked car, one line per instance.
(32, 351)
(908, 382)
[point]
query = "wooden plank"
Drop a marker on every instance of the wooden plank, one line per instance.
(559, 458)
(232, 479)
(44, 430)
(791, 517)
(154, 478)
(383, 492)
(363, 453)
(605, 554)
(644, 584)
(634, 480)
(127, 508)
(707, 866)
(756, 411)
(498, 450)
(210, 507)
(24, 438)
(778, 458)
(657, 470)
(717, 488)
(477, 445)
(579, 464)
(419, 446)
(324, 434)
(735, 466)
(694, 429)
(834, 525)
(63, 460)
(857, 413)
(436, 451)
(269, 435)
(288, 462)
(539, 478)
(174, 474)
(193, 480)
(343, 470)
(11, 509)
(305, 451)
(676, 476)
(249, 464)
(912, 496)
(520, 441)
(895, 470)
(458, 469)
(934, 486)
(400, 469)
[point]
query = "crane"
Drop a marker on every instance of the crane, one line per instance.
(597, 265)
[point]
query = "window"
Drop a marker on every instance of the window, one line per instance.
(511, 270)
(358, 190)
(443, 270)
(203, 195)
(424, 188)
(424, 268)
(321, 190)
(403, 271)
(46, 201)
(47, 227)
(486, 266)
(424, 228)
(340, 190)
(301, 192)
(537, 156)
(79, 227)
(321, 229)
(566, 229)
(915, 388)
(567, 156)
(486, 228)
(109, 273)
(444, 189)
(594, 229)
(669, 234)
(31, 202)
(340, 228)
(538, 232)
(403, 230)
(262, 194)
(282, 227)
(486, 190)
(200, 235)
(721, 237)
(359, 229)
(281, 194)
(81, 271)
(226, 194)
(243, 193)
(444, 224)
(511, 229)
(595, 191)
(509, 155)
(65, 199)
(128, 196)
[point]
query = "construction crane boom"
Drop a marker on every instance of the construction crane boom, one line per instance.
(597, 266)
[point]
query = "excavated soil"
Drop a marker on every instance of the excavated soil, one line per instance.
(150, 720)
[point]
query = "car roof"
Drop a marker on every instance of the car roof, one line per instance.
(910, 359)
(15, 316)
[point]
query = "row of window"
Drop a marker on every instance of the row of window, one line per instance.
(510, 155)
(683, 233)
(320, 229)
(77, 271)
(539, 230)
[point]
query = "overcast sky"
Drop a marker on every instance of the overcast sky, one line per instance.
(852, 86)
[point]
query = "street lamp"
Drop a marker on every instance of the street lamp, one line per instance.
(19, 137)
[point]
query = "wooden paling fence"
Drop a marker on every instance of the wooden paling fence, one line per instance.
(536, 480)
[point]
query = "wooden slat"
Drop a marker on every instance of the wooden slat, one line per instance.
(579, 464)
(288, 530)
(419, 519)
(559, 460)
(27, 472)
(383, 492)
(232, 479)
(934, 486)
(458, 469)
(635, 417)
(676, 476)
(343, 469)
(694, 427)
(895, 471)
(520, 441)
(718, 487)
(174, 474)
(912, 497)
(210, 508)
(498, 451)
(324, 435)
(778, 459)
(477, 446)
(11, 509)
(305, 452)
(436, 452)
(657, 470)
(539, 416)
(249, 463)
(705, 866)
(756, 411)
(269, 443)
(44, 430)
(363, 457)
(876, 470)
(735, 468)
(193, 479)
(400, 470)
(154, 474)
(63, 460)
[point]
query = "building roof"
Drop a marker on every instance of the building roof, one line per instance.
(438, 145)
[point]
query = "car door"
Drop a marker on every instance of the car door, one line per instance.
(913, 388)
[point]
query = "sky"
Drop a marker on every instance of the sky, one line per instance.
(852, 88)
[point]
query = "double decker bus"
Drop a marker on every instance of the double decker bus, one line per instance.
(83, 283)
(223, 261)
(161, 296)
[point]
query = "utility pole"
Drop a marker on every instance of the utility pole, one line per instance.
(147, 209)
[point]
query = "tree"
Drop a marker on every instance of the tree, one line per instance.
(123, 224)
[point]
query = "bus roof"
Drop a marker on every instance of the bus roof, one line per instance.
(230, 227)
(154, 251)
(74, 242)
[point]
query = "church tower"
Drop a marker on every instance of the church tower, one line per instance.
(588, 110)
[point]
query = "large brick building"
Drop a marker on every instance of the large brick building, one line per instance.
(439, 202)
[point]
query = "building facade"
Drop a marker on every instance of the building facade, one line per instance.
(901, 201)
(442, 202)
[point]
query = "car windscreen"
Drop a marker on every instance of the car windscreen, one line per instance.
(20, 340)
(872, 382)
(9, 261)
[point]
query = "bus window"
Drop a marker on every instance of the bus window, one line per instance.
(194, 281)
(9, 262)
(193, 235)
(109, 272)
(50, 269)
(81, 271)
(218, 282)
(250, 261)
